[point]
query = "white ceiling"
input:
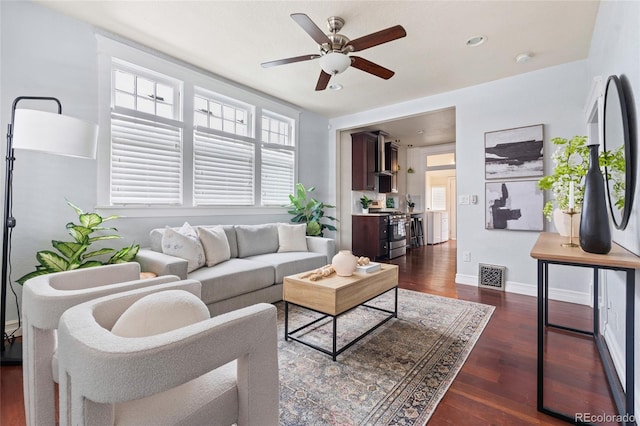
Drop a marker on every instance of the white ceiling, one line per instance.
(232, 38)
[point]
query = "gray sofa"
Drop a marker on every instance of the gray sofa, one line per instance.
(254, 272)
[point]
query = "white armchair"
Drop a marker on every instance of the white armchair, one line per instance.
(217, 371)
(44, 299)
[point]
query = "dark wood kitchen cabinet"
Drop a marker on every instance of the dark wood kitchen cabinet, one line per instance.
(369, 236)
(363, 161)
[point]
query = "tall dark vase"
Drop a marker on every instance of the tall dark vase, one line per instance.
(595, 231)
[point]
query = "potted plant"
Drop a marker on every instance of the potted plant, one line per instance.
(410, 203)
(571, 161)
(365, 202)
(73, 254)
(306, 209)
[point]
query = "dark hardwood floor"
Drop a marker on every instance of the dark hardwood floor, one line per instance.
(497, 385)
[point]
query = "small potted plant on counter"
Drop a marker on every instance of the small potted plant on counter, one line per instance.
(365, 202)
(410, 203)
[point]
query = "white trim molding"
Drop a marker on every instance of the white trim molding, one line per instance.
(561, 295)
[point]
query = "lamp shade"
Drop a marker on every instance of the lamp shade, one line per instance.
(54, 133)
(334, 62)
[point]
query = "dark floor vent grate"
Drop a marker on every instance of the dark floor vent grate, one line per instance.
(491, 276)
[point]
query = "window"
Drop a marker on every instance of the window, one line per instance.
(180, 138)
(146, 138)
(278, 159)
(143, 94)
(447, 159)
(438, 198)
(222, 115)
(224, 171)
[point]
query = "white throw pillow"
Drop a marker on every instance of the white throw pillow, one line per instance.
(292, 237)
(160, 312)
(215, 243)
(185, 244)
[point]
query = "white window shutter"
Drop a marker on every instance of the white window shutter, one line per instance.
(223, 170)
(278, 167)
(146, 162)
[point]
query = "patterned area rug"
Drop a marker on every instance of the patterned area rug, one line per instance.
(396, 375)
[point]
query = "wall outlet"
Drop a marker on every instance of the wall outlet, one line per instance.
(463, 199)
(466, 256)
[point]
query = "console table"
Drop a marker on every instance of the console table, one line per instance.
(548, 250)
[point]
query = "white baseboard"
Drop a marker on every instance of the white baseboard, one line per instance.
(561, 295)
(616, 352)
(12, 327)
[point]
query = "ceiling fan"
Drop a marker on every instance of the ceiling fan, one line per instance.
(334, 49)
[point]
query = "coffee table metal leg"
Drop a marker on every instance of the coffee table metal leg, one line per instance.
(286, 321)
(395, 307)
(335, 334)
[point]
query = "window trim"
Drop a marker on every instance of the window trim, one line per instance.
(111, 46)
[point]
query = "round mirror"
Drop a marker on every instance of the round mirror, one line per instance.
(619, 171)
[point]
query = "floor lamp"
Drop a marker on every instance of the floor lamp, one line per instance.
(41, 131)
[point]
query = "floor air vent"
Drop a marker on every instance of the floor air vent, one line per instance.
(491, 276)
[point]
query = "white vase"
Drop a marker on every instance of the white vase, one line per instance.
(344, 263)
(561, 221)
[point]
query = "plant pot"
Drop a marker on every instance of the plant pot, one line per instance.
(410, 209)
(561, 221)
(344, 263)
(365, 211)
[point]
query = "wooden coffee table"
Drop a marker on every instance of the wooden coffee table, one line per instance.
(334, 296)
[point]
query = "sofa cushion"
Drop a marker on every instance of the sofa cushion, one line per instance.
(185, 244)
(232, 278)
(215, 244)
(292, 237)
(256, 239)
(155, 238)
(160, 312)
(290, 263)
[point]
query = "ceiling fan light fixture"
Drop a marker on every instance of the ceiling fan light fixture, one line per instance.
(334, 63)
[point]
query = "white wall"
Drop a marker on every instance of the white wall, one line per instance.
(45, 53)
(615, 51)
(553, 96)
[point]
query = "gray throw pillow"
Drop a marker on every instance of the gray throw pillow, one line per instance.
(256, 239)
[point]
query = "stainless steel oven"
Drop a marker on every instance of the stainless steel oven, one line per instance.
(397, 235)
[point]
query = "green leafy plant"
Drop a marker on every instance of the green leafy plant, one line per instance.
(410, 203)
(73, 254)
(306, 209)
(365, 202)
(571, 161)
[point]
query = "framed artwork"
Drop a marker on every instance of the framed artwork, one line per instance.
(514, 206)
(514, 153)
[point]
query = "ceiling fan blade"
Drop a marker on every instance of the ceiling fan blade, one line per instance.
(289, 60)
(310, 28)
(377, 38)
(371, 68)
(323, 80)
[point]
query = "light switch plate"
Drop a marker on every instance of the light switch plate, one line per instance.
(463, 199)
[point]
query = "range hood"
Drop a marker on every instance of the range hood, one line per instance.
(381, 155)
